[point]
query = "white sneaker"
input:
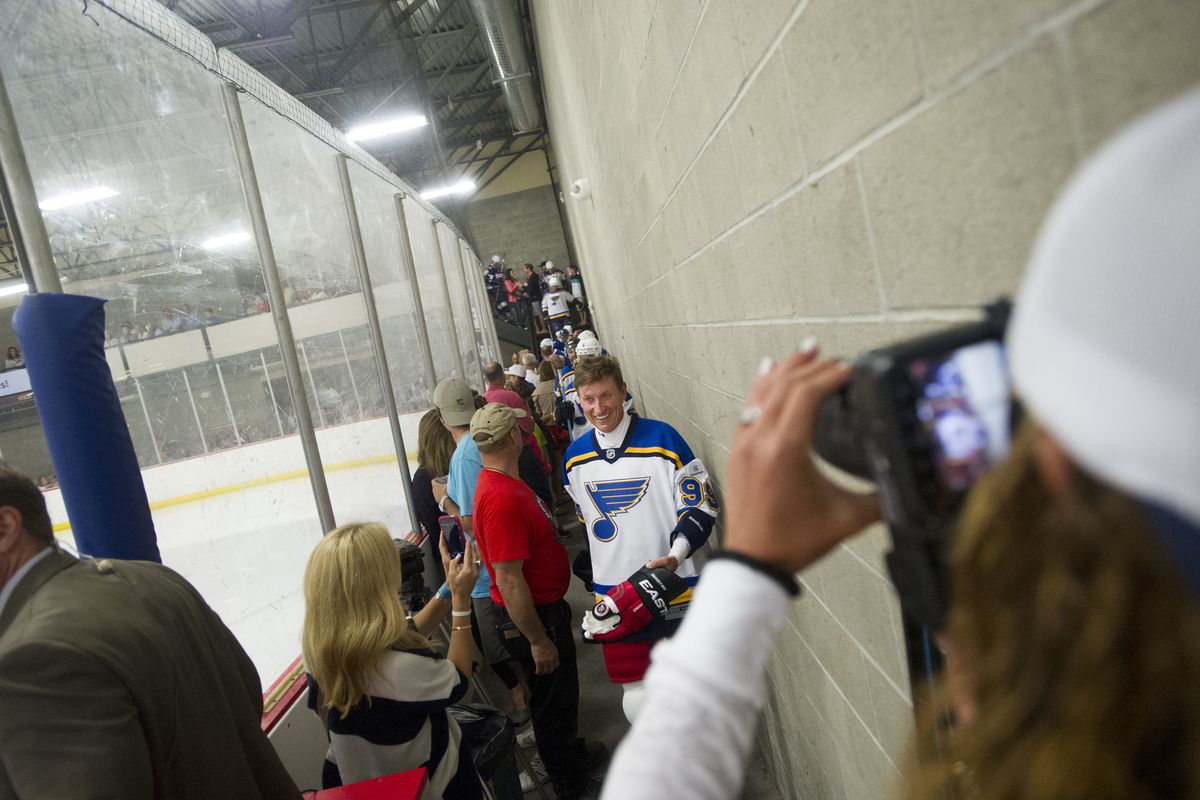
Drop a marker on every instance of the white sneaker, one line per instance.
(526, 738)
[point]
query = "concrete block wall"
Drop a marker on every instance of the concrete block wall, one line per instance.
(522, 226)
(860, 170)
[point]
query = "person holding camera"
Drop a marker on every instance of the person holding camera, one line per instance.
(380, 689)
(1073, 637)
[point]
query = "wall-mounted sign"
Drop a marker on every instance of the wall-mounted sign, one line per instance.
(14, 381)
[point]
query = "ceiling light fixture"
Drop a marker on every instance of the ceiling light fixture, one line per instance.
(218, 242)
(16, 288)
(463, 186)
(389, 126)
(77, 198)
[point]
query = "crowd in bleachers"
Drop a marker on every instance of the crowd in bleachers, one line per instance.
(185, 317)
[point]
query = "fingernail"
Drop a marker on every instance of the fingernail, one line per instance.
(808, 344)
(765, 365)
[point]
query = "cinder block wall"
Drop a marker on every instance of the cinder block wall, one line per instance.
(859, 170)
(523, 226)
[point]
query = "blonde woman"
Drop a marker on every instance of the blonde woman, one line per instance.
(376, 682)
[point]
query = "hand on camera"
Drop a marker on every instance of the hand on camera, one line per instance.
(780, 508)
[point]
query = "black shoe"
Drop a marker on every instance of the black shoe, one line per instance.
(589, 791)
(596, 758)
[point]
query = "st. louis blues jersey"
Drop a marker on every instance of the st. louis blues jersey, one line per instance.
(634, 500)
(556, 305)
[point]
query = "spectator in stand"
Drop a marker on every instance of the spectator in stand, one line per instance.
(170, 323)
(377, 684)
(140, 332)
(512, 288)
(575, 283)
(456, 405)
(13, 358)
(533, 299)
(125, 334)
(535, 467)
(543, 399)
(529, 361)
(210, 317)
(435, 446)
(191, 322)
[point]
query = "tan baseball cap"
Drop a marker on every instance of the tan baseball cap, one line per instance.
(454, 400)
(493, 422)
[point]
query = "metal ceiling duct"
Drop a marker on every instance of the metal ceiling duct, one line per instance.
(500, 26)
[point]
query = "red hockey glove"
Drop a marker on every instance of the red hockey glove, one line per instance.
(630, 606)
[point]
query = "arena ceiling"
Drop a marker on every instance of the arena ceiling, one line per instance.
(357, 61)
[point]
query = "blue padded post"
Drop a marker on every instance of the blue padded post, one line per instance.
(62, 339)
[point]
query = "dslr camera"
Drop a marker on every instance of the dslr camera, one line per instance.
(923, 420)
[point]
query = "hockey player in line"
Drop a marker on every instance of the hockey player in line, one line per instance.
(556, 304)
(588, 346)
(644, 500)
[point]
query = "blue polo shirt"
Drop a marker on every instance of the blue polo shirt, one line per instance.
(465, 466)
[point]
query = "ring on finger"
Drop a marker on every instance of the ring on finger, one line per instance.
(749, 415)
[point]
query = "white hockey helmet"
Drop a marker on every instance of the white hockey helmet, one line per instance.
(586, 334)
(497, 260)
(554, 283)
(588, 347)
(544, 343)
(549, 265)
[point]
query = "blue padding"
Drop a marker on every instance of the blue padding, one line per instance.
(62, 339)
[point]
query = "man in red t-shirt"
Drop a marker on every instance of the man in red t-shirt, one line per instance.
(530, 574)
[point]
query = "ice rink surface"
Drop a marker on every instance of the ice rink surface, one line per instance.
(239, 524)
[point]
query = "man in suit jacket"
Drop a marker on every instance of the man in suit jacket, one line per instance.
(116, 679)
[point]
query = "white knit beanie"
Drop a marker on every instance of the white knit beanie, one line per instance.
(1105, 339)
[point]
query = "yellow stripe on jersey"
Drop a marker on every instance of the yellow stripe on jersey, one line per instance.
(583, 458)
(662, 451)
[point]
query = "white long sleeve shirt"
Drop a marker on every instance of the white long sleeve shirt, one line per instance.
(704, 691)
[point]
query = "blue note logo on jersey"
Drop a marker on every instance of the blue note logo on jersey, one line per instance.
(612, 498)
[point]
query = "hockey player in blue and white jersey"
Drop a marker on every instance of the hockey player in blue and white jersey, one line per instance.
(556, 304)
(588, 345)
(644, 499)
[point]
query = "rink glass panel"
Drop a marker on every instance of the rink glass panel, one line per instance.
(376, 204)
(99, 104)
(310, 234)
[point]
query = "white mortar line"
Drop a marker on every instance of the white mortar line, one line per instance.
(870, 225)
(904, 695)
(870, 567)
(751, 76)
(919, 30)
(962, 82)
(1070, 78)
(837, 687)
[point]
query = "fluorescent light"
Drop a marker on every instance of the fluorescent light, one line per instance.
(389, 126)
(16, 288)
(77, 198)
(461, 187)
(218, 242)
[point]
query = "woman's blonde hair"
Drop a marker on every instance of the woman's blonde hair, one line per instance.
(1082, 646)
(352, 611)
(435, 445)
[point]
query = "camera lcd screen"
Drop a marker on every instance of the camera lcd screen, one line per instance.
(963, 409)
